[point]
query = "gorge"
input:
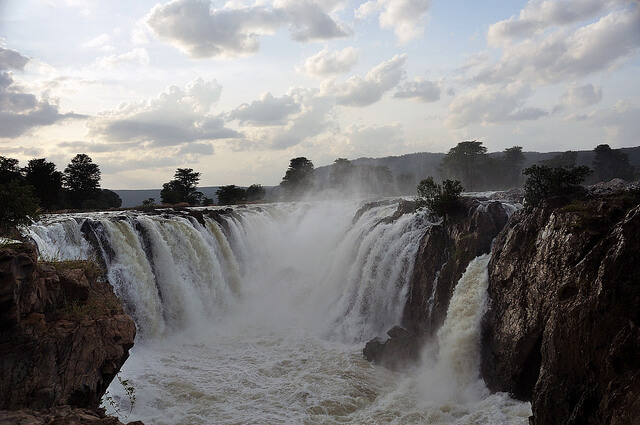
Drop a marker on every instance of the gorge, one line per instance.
(259, 313)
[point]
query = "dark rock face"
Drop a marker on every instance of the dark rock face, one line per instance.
(563, 327)
(402, 346)
(63, 415)
(63, 334)
(445, 252)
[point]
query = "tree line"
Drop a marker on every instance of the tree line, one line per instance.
(40, 187)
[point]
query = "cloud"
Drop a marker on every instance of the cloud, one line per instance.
(200, 30)
(97, 42)
(137, 56)
(560, 55)
(175, 116)
(266, 111)
(358, 91)
(538, 15)
(21, 111)
(419, 89)
(373, 139)
(491, 105)
(404, 16)
(581, 96)
(621, 123)
(10, 59)
(302, 114)
(327, 63)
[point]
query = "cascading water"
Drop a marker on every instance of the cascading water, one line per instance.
(258, 316)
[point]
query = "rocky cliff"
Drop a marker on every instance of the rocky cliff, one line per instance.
(63, 334)
(563, 326)
(445, 251)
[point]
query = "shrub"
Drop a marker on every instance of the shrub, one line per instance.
(18, 206)
(440, 199)
(544, 182)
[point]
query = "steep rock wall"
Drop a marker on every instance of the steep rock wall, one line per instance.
(63, 333)
(563, 326)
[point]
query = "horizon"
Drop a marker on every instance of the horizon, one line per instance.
(235, 89)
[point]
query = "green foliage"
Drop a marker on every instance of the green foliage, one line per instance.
(46, 181)
(611, 163)
(129, 390)
(183, 188)
(299, 177)
(544, 182)
(440, 199)
(18, 206)
(565, 159)
(255, 193)
(230, 194)
(341, 172)
(466, 162)
(82, 179)
(9, 170)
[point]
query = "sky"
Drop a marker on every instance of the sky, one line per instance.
(235, 89)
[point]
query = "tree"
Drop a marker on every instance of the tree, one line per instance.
(544, 182)
(46, 182)
(230, 194)
(9, 170)
(466, 162)
(440, 199)
(82, 179)
(512, 166)
(255, 193)
(18, 206)
(341, 172)
(183, 188)
(611, 163)
(298, 178)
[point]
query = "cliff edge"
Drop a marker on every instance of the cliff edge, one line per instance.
(63, 338)
(563, 327)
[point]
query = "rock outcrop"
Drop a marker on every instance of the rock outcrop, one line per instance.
(563, 326)
(445, 251)
(62, 415)
(63, 333)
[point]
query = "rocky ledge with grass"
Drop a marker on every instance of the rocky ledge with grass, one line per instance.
(63, 338)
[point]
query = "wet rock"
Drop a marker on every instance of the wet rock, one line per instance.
(63, 333)
(63, 415)
(563, 330)
(445, 252)
(400, 350)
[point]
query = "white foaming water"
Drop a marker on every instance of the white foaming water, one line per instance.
(261, 319)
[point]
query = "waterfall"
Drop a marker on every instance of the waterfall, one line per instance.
(310, 264)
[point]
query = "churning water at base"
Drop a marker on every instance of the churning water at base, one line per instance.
(260, 318)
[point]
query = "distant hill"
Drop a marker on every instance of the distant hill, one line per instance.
(421, 165)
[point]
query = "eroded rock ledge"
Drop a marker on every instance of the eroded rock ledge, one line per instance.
(445, 251)
(563, 327)
(63, 336)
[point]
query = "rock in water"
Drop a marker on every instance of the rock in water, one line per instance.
(63, 332)
(563, 328)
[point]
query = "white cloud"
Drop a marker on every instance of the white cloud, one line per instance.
(404, 16)
(374, 139)
(488, 105)
(327, 63)
(580, 96)
(97, 42)
(561, 55)
(200, 30)
(266, 111)
(358, 91)
(621, 123)
(174, 117)
(137, 56)
(419, 89)
(540, 14)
